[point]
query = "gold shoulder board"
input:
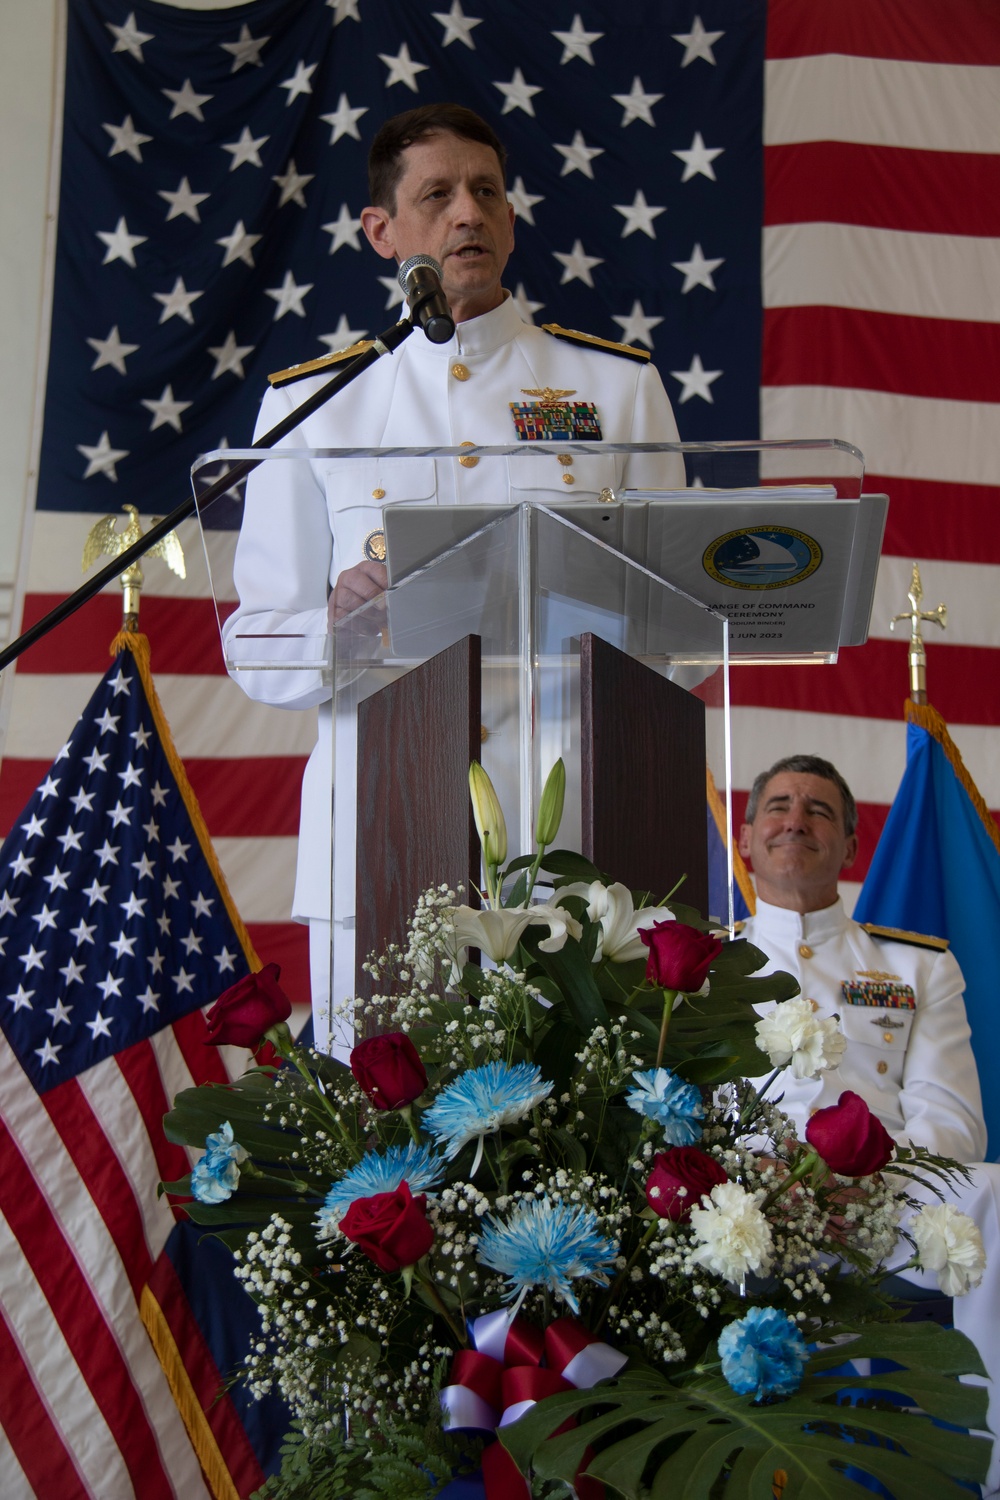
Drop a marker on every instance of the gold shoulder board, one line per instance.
(898, 935)
(572, 336)
(317, 366)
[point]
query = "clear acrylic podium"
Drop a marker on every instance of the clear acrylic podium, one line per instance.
(514, 633)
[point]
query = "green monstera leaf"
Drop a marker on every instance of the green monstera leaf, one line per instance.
(655, 1440)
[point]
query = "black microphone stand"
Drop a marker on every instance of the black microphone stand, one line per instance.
(386, 343)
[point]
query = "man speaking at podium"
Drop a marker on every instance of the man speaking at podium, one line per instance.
(311, 545)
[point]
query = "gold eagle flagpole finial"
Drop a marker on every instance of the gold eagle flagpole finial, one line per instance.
(918, 653)
(104, 540)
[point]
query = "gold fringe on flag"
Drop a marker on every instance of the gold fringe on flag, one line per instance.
(207, 1451)
(138, 644)
(928, 718)
(740, 870)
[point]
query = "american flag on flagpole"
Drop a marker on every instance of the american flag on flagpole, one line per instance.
(792, 205)
(115, 927)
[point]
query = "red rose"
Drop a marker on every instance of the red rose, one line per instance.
(389, 1070)
(679, 956)
(850, 1139)
(243, 1013)
(683, 1167)
(391, 1228)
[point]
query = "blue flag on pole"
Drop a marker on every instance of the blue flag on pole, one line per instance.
(937, 870)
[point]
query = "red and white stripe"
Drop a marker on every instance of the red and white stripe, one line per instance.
(881, 281)
(84, 1405)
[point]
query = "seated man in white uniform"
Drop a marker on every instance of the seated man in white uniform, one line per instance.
(311, 543)
(900, 1002)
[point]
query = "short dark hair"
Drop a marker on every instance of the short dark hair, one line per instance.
(385, 164)
(806, 765)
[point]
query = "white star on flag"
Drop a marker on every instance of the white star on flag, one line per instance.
(344, 229)
(402, 69)
(576, 42)
(291, 184)
(182, 201)
(344, 120)
(695, 381)
(697, 270)
(246, 50)
(697, 42)
(126, 138)
(457, 25)
(111, 351)
(638, 215)
(343, 336)
(299, 82)
(177, 302)
(102, 458)
(526, 306)
(517, 94)
(245, 150)
(578, 156)
(229, 356)
(577, 265)
(129, 38)
(637, 104)
(698, 158)
(166, 410)
(238, 245)
(344, 10)
(121, 245)
(523, 201)
(186, 101)
(289, 296)
(394, 291)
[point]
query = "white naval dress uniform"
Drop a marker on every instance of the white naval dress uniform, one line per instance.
(303, 525)
(911, 1060)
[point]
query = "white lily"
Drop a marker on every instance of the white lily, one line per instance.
(613, 908)
(497, 930)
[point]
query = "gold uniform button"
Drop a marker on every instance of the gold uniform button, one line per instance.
(887, 1036)
(460, 372)
(378, 494)
(805, 951)
(468, 462)
(814, 1004)
(484, 734)
(568, 479)
(883, 1067)
(565, 459)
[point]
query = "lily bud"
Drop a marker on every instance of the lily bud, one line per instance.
(489, 817)
(550, 808)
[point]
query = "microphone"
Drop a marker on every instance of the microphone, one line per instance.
(420, 278)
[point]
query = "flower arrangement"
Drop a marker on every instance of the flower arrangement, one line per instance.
(543, 1237)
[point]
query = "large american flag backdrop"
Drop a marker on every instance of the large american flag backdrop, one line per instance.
(794, 206)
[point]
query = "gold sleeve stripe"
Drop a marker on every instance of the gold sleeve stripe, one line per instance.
(572, 336)
(317, 366)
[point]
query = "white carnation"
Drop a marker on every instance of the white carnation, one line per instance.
(950, 1245)
(732, 1236)
(793, 1033)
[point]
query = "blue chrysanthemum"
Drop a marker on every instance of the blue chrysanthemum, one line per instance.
(672, 1103)
(380, 1172)
(547, 1244)
(763, 1354)
(481, 1101)
(215, 1177)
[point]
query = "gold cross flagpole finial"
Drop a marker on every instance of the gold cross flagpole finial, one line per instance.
(103, 539)
(918, 654)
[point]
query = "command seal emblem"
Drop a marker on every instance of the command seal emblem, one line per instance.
(762, 557)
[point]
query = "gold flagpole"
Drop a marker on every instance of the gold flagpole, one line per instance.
(918, 653)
